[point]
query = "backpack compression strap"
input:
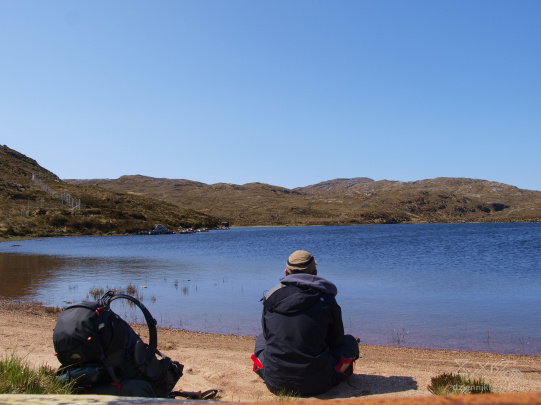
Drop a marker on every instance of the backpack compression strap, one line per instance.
(151, 322)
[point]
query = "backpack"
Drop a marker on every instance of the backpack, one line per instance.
(100, 353)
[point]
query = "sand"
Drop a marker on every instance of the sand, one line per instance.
(223, 361)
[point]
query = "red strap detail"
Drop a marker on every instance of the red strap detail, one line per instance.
(344, 365)
(97, 311)
(257, 364)
(118, 385)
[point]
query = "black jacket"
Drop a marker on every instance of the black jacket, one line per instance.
(301, 322)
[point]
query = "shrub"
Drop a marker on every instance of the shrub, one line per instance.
(58, 221)
(456, 384)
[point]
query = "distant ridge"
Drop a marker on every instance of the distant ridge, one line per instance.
(358, 200)
(335, 186)
(35, 208)
(134, 203)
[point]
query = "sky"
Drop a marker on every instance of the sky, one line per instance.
(289, 93)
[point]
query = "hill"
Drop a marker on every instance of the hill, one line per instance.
(35, 202)
(341, 201)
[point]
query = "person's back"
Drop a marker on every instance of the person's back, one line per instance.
(303, 336)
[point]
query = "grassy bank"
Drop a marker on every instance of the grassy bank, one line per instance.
(17, 377)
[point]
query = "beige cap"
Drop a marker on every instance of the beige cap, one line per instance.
(301, 260)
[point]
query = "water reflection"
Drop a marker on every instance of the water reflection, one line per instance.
(55, 280)
(22, 276)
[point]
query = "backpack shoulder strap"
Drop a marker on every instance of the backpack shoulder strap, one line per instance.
(110, 296)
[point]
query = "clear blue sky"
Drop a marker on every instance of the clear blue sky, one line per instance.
(282, 92)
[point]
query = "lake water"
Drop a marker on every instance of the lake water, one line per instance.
(446, 286)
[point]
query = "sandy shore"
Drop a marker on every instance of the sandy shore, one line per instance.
(223, 361)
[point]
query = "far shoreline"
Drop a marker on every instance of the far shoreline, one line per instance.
(33, 237)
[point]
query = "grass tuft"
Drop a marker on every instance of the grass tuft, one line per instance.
(285, 395)
(96, 292)
(456, 384)
(17, 377)
(131, 289)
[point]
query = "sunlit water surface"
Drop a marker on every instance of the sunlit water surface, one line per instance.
(447, 286)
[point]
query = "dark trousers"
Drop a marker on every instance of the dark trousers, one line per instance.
(348, 350)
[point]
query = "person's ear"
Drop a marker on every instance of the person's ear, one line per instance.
(286, 273)
(315, 272)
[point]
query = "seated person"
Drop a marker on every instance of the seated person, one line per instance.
(303, 349)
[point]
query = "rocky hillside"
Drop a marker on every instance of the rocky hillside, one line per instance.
(35, 201)
(341, 201)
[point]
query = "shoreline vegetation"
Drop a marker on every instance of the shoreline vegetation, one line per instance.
(223, 362)
(15, 238)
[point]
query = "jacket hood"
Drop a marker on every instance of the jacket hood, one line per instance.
(309, 280)
(302, 300)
